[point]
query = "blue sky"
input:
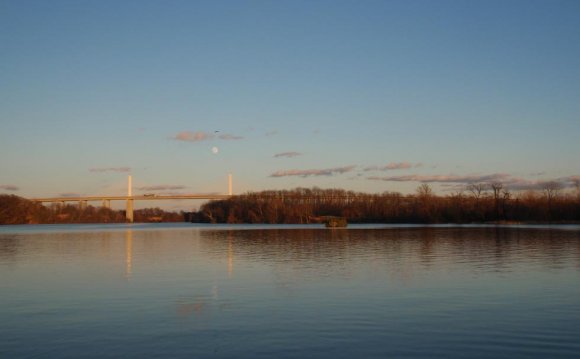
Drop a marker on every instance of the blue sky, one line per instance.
(365, 95)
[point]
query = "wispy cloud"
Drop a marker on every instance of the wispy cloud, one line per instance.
(189, 136)
(271, 133)
(455, 181)
(9, 187)
(161, 188)
(496, 177)
(199, 136)
(288, 154)
(572, 182)
(392, 166)
(313, 172)
(524, 185)
(110, 169)
(227, 137)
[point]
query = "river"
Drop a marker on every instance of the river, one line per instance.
(304, 291)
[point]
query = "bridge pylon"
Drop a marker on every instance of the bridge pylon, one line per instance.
(129, 209)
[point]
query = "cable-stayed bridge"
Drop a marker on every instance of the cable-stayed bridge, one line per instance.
(106, 200)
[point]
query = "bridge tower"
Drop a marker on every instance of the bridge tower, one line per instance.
(129, 210)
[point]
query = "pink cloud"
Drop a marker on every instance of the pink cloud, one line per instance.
(189, 136)
(288, 154)
(200, 136)
(455, 181)
(227, 136)
(392, 166)
(496, 177)
(313, 172)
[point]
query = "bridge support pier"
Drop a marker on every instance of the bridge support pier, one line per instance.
(129, 211)
(107, 203)
(82, 205)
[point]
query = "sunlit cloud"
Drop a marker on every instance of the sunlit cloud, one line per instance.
(562, 182)
(455, 182)
(288, 154)
(392, 166)
(111, 169)
(162, 188)
(189, 136)
(313, 172)
(9, 187)
(228, 137)
(200, 136)
(496, 177)
(521, 184)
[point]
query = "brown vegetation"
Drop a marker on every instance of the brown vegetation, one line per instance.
(481, 203)
(18, 210)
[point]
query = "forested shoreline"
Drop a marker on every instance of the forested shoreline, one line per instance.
(479, 203)
(19, 210)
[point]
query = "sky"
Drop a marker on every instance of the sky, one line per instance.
(369, 96)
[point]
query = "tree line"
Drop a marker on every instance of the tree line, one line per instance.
(477, 203)
(18, 210)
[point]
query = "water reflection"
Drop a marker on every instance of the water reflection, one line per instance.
(128, 253)
(336, 253)
(230, 256)
(303, 292)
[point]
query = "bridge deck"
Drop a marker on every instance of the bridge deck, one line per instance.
(125, 198)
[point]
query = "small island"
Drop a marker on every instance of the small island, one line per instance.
(336, 222)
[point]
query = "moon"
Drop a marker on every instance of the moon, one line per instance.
(214, 150)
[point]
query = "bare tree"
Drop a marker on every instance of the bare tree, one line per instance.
(477, 189)
(426, 202)
(551, 191)
(576, 184)
(496, 187)
(424, 191)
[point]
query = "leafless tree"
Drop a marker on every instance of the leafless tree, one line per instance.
(477, 189)
(424, 191)
(496, 187)
(576, 184)
(551, 189)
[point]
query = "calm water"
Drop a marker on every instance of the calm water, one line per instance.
(187, 291)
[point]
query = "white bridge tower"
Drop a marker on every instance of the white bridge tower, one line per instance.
(129, 210)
